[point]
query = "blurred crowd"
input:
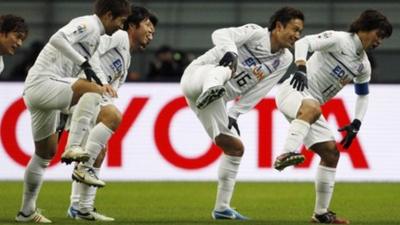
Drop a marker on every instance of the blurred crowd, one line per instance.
(166, 65)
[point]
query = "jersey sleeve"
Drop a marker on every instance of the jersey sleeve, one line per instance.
(77, 30)
(365, 76)
(95, 63)
(117, 40)
(231, 38)
(327, 41)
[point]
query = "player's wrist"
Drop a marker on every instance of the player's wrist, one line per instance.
(302, 68)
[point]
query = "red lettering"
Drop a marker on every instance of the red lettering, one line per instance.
(162, 140)
(265, 110)
(115, 144)
(336, 108)
(8, 132)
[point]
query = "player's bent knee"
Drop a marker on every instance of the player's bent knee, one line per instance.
(333, 155)
(310, 111)
(230, 145)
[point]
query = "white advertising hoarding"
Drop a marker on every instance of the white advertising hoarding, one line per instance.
(161, 139)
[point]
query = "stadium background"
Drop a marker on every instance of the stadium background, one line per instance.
(160, 140)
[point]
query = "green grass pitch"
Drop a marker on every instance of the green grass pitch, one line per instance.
(191, 202)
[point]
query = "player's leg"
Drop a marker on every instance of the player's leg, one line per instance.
(206, 81)
(215, 120)
(227, 171)
(43, 101)
(108, 121)
(87, 97)
(87, 211)
(321, 140)
(33, 179)
(325, 182)
(301, 111)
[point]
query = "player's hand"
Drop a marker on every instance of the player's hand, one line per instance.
(299, 80)
(108, 89)
(232, 123)
(230, 59)
(89, 73)
(352, 130)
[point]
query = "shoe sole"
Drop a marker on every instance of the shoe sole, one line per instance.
(210, 96)
(82, 158)
(77, 179)
(291, 161)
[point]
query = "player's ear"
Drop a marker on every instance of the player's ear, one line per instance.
(109, 15)
(279, 26)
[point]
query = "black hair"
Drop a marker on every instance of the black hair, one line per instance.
(138, 14)
(284, 16)
(371, 19)
(11, 23)
(117, 7)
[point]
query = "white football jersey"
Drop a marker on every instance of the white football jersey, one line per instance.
(252, 44)
(83, 33)
(338, 59)
(115, 57)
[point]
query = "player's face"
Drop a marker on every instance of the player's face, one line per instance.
(144, 34)
(290, 33)
(372, 39)
(114, 23)
(10, 42)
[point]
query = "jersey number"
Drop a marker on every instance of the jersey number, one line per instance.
(242, 81)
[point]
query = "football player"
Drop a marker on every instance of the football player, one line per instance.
(52, 85)
(245, 64)
(339, 58)
(115, 57)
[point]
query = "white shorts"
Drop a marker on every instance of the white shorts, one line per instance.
(215, 116)
(45, 100)
(288, 101)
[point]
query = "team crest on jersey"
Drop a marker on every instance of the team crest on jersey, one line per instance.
(325, 35)
(80, 29)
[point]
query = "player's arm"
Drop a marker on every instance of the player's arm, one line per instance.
(60, 41)
(326, 41)
(362, 90)
(228, 39)
(95, 61)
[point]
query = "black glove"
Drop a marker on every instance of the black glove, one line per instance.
(229, 59)
(90, 74)
(352, 130)
(233, 123)
(299, 80)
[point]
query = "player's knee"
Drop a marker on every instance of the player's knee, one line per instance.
(46, 153)
(310, 111)
(230, 145)
(331, 157)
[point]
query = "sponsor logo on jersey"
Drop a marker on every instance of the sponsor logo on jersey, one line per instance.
(117, 66)
(250, 62)
(80, 29)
